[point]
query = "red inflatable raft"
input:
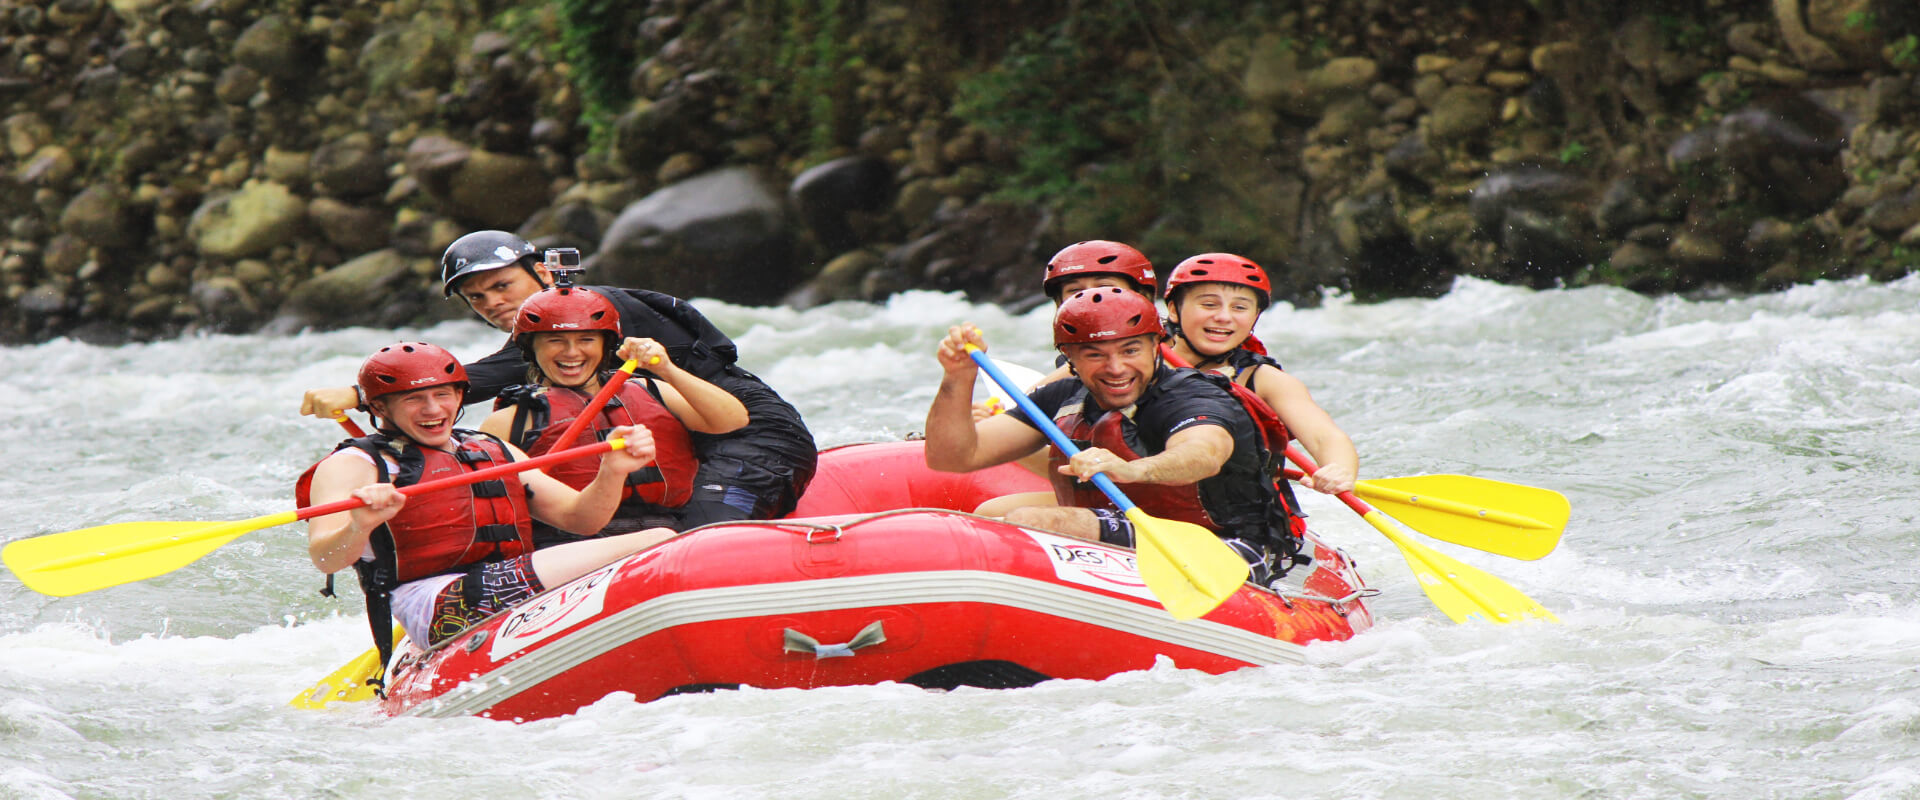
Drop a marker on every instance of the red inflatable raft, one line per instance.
(884, 579)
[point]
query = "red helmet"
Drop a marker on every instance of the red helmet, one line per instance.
(566, 310)
(407, 366)
(1098, 257)
(1104, 315)
(1221, 268)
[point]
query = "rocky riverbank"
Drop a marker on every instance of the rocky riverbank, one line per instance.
(227, 165)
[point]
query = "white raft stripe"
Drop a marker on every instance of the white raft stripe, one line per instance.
(866, 591)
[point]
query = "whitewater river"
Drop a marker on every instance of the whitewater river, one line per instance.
(1737, 586)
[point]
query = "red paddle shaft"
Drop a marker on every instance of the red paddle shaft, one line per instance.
(475, 476)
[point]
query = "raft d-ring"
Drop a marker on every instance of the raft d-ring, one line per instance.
(824, 535)
(796, 642)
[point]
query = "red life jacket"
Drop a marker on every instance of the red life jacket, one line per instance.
(451, 530)
(444, 531)
(1156, 499)
(541, 418)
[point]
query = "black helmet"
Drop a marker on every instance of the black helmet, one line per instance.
(481, 251)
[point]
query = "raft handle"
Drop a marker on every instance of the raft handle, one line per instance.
(796, 642)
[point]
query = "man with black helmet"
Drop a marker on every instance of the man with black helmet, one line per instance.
(756, 472)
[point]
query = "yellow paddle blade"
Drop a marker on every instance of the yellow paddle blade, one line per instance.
(73, 562)
(348, 684)
(1516, 521)
(1460, 591)
(1186, 566)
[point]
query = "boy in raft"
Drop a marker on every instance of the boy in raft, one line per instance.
(1177, 441)
(441, 561)
(755, 472)
(570, 336)
(1213, 300)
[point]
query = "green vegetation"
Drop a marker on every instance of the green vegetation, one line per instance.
(595, 38)
(1684, 33)
(1054, 106)
(1904, 52)
(1573, 151)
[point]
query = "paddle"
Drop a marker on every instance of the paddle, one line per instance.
(1186, 566)
(1461, 592)
(348, 684)
(599, 401)
(1508, 519)
(73, 562)
(352, 429)
(1464, 509)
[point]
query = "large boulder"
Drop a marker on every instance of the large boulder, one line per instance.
(1540, 218)
(723, 234)
(827, 195)
(258, 217)
(102, 216)
(379, 288)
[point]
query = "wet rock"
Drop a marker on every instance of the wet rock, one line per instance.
(273, 46)
(1853, 28)
(415, 52)
(102, 216)
(225, 305)
(679, 167)
(647, 135)
(1697, 248)
(378, 288)
(236, 85)
(1768, 239)
(353, 229)
(723, 234)
(1273, 73)
(26, 132)
(52, 166)
(826, 196)
(1461, 112)
(258, 217)
(843, 278)
(1811, 51)
(433, 160)
(497, 191)
(1628, 201)
(569, 224)
(64, 254)
(1781, 142)
(354, 165)
(1893, 215)
(1540, 220)
(287, 167)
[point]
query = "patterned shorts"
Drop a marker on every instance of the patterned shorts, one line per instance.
(503, 584)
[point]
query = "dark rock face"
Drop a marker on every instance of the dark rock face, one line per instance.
(169, 166)
(722, 234)
(826, 196)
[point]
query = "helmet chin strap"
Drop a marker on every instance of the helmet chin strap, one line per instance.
(1206, 362)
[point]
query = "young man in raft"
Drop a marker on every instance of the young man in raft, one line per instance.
(443, 560)
(1177, 441)
(756, 472)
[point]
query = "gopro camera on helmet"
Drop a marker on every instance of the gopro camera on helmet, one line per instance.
(564, 263)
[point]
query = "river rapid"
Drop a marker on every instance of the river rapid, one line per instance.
(1737, 586)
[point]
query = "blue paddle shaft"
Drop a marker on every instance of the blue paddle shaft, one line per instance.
(1046, 426)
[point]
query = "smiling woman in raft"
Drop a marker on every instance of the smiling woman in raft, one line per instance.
(571, 339)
